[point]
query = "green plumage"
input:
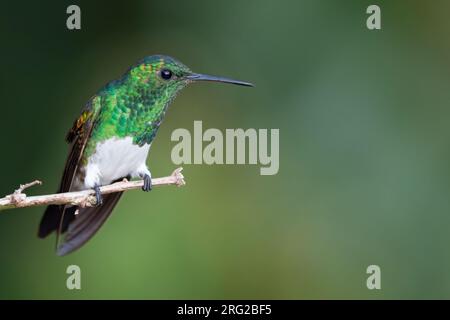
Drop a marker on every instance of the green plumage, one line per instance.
(135, 104)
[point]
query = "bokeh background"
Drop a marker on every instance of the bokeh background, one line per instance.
(364, 149)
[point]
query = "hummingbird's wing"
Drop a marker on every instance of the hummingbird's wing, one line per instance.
(77, 224)
(86, 223)
(78, 136)
(54, 217)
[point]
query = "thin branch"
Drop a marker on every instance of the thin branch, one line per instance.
(84, 198)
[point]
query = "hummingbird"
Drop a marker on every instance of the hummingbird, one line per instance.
(110, 141)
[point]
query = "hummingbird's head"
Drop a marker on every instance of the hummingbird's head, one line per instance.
(167, 76)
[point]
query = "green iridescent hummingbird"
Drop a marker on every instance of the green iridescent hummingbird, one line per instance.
(111, 140)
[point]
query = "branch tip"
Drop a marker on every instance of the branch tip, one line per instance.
(22, 187)
(179, 178)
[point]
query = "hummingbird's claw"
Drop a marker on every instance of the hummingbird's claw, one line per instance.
(147, 183)
(98, 196)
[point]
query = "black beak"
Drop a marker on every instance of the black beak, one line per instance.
(205, 77)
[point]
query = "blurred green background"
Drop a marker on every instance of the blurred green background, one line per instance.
(364, 149)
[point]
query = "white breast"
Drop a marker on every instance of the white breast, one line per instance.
(114, 159)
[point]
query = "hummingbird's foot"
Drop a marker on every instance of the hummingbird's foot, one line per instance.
(147, 183)
(98, 196)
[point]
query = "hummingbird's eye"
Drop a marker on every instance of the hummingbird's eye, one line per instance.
(166, 74)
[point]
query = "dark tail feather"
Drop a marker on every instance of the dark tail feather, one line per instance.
(86, 223)
(51, 219)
